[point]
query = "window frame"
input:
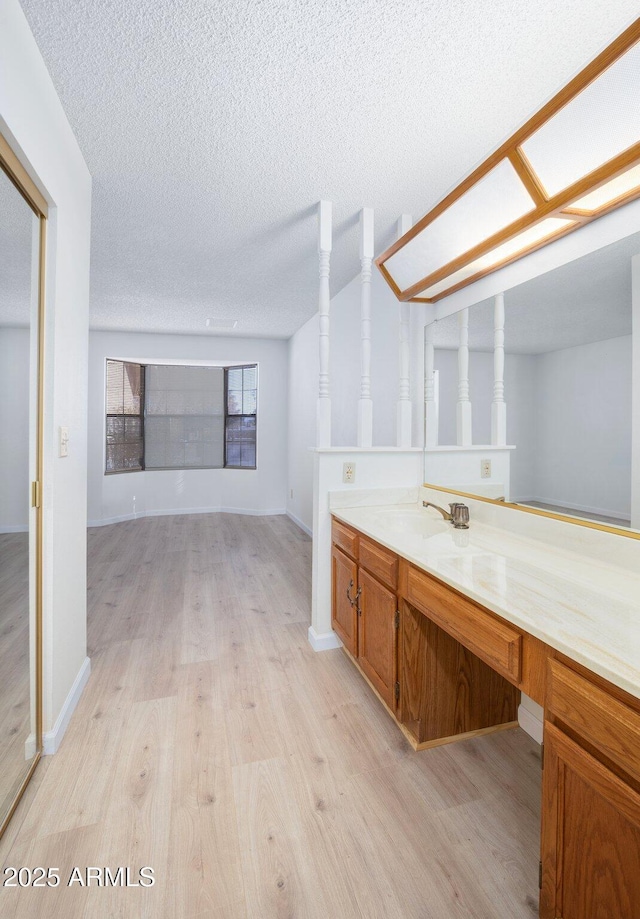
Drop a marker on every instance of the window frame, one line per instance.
(142, 416)
(228, 415)
(107, 415)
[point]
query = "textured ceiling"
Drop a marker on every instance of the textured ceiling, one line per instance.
(586, 300)
(211, 130)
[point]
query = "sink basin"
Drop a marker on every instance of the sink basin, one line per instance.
(411, 520)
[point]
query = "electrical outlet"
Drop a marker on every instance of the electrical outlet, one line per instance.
(349, 472)
(485, 469)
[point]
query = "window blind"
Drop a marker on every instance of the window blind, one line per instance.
(124, 421)
(184, 417)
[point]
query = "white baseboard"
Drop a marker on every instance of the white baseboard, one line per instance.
(178, 511)
(52, 739)
(107, 521)
(299, 523)
(18, 528)
(323, 642)
(529, 723)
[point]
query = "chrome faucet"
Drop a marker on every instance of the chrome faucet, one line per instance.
(458, 514)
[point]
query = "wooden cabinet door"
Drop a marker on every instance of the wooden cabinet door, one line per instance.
(344, 614)
(590, 836)
(377, 637)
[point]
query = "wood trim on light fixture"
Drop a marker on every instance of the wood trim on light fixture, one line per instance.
(558, 205)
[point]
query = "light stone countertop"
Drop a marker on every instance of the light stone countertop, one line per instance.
(585, 608)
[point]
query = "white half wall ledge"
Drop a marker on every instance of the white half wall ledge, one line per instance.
(178, 512)
(52, 739)
(326, 641)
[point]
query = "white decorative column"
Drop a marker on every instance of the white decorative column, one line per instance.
(404, 362)
(463, 408)
(498, 406)
(430, 404)
(365, 403)
(323, 418)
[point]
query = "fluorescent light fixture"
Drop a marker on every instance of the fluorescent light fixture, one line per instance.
(622, 186)
(595, 126)
(488, 207)
(576, 158)
(544, 231)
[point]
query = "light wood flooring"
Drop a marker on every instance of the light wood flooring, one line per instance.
(257, 778)
(15, 680)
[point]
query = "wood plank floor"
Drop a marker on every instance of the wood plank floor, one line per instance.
(256, 778)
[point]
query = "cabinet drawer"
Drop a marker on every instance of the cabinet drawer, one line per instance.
(379, 562)
(601, 719)
(493, 641)
(345, 538)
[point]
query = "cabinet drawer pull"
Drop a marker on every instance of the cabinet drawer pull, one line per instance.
(353, 600)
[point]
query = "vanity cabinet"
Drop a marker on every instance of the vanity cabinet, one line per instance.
(403, 629)
(457, 664)
(364, 610)
(590, 798)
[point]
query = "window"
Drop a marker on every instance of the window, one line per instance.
(172, 416)
(125, 424)
(184, 417)
(240, 425)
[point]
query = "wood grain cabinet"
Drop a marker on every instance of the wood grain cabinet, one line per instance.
(436, 686)
(364, 610)
(344, 609)
(377, 637)
(590, 799)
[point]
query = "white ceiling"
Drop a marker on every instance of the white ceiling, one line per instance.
(583, 301)
(211, 130)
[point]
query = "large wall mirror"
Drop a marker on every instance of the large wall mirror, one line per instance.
(568, 387)
(22, 235)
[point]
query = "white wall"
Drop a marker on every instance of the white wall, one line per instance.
(14, 424)
(263, 490)
(581, 391)
(34, 123)
(304, 366)
(520, 388)
(555, 403)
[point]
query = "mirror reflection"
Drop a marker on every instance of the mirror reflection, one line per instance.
(567, 388)
(18, 325)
